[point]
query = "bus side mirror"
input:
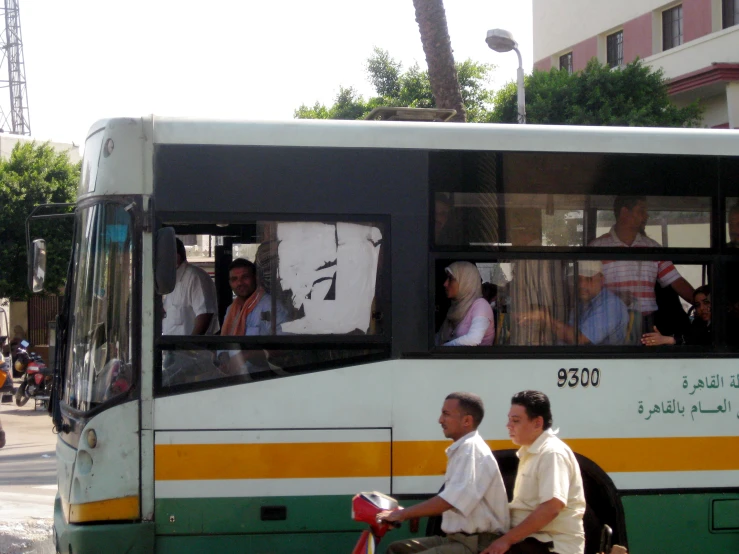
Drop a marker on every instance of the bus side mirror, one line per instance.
(37, 266)
(165, 270)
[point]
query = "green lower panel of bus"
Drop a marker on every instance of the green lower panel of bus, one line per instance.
(275, 514)
(677, 523)
(273, 524)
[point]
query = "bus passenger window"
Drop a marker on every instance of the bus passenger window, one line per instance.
(284, 280)
(544, 302)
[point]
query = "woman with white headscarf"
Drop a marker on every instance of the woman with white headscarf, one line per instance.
(469, 321)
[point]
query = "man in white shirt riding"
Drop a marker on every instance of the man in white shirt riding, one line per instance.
(473, 504)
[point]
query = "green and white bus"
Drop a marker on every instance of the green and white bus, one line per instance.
(351, 225)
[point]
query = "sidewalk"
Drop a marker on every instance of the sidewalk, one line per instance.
(27, 481)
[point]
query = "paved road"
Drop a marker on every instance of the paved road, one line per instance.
(27, 480)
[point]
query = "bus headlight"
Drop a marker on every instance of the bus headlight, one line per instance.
(92, 438)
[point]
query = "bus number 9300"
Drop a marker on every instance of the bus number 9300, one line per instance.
(576, 376)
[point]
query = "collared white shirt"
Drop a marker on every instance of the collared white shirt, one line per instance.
(194, 294)
(474, 487)
(548, 469)
(634, 280)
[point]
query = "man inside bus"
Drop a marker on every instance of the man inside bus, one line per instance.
(601, 317)
(249, 314)
(190, 309)
(548, 498)
(473, 504)
(633, 280)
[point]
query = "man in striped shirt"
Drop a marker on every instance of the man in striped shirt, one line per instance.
(634, 280)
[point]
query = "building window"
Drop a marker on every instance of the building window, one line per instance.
(730, 13)
(615, 49)
(672, 27)
(565, 62)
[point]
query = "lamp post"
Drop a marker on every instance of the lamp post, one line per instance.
(501, 40)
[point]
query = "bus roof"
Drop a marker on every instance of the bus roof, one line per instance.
(440, 136)
(447, 136)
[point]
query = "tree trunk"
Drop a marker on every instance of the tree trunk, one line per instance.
(437, 46)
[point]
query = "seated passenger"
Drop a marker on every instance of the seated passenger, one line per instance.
(699, 331)
(250, 313)
(469, 321)
(601, 315)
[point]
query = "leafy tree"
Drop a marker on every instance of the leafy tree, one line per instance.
(598, 95)
(34, 174)
(437, 46)
(410, 88)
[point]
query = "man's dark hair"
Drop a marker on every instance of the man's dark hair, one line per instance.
(536, 404)
(181, 250)
(241, 262)
(627, 202)
(470, 404)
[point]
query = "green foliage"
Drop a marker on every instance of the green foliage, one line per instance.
(410, 88)
(598, 95)
(34, 174)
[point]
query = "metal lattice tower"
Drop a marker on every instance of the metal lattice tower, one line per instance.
(15, 118)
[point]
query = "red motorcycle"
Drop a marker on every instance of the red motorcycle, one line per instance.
(365, 507)
(36, 379)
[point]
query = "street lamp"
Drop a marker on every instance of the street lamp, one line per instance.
(501, 40)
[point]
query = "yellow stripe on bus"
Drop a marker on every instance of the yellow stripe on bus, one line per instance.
(422, 458)
(271, 460)
(114, 509)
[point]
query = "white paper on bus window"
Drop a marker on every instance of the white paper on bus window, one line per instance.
(331, 270)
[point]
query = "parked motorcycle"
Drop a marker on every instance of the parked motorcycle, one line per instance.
(36, 379)
(21, 357)
(365, 507)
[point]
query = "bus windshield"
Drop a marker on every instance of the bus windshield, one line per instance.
(99, 363)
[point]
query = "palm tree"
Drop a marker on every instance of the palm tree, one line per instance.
(437, 46)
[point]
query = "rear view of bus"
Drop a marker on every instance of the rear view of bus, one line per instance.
(255, 439)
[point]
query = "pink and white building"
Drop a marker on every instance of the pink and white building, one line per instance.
(695, 42)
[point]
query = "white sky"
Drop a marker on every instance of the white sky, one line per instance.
(92, 59)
